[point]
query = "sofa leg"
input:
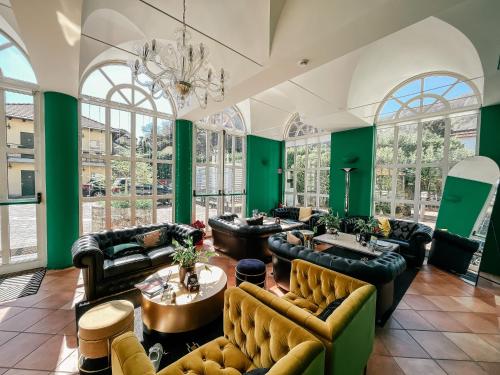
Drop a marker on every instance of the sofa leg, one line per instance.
(365, 370)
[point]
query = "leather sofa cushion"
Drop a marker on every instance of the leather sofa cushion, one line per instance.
(123, 265)
(161, 255)
(401, 243)
(402, 230)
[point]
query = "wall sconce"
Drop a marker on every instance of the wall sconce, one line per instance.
(8, 125)
(10, 166)
(280, 170)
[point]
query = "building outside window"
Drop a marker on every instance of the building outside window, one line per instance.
(127, 152)
(307, 165)
(424, 127)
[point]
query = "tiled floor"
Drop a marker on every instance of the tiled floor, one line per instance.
(442, 326)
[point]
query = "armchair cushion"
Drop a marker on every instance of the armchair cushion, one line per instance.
(401, 229)
(323, 315)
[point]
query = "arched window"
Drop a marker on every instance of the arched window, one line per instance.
(127, 151)
(424, 126)
(219, 159)
(21, 171)
(307, 169)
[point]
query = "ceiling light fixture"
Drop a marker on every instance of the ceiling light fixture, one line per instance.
(181, 68)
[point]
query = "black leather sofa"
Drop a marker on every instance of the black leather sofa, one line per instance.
(292, 213)
(379, 271)
(241, 241)
(411, 237)
(104, 276)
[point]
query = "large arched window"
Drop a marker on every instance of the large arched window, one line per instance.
(424, 126)
(127, 151)
(219, 165)
(307, 169)
(21, 172)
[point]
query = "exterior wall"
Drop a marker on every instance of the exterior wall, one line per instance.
(14, 177)
(93, 140)
(18, 126)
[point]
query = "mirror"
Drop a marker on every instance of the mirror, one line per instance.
(468, 198)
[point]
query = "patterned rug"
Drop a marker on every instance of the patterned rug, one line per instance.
(20, 284)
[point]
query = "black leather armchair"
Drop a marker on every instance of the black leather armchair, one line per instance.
(104, 276)
(241, 241)
(292, 213)
(379, 271)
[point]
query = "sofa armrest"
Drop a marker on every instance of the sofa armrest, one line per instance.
(128, 356)
(181, 232)
(281, 212)
(422, 234)
(86, 252)
(307, 358)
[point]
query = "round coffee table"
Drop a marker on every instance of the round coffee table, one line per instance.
(190, 310)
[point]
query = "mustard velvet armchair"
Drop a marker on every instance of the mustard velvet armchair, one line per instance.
(255, 336)
(348, 333)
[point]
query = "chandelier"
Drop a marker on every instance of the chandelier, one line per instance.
(181, 68)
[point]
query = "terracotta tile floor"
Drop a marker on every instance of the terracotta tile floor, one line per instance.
(442, 326)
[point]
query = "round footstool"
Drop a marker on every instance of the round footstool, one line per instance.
(99, 326)
(251, 270)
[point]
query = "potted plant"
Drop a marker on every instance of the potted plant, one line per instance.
(186, 256)
(198, 224)
(366, 228)
(330, 220)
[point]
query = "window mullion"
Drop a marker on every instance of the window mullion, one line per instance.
(154, 164)
(418, 172)
(107, 166)
(133, 169)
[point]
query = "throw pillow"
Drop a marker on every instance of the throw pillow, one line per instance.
(385, 226)
(122, 249)
(257, 371)
(290, 238)
(154, 238)
(330, 308)
(402, 230)
(305, 213)
(256, 221)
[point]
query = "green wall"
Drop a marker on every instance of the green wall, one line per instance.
(61, 168)
(183, 170)
(264, 157)
(489, 145)
(347, 145)
(459, 209)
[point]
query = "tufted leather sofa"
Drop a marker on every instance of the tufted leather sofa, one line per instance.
(255, 336)
(411, 237)
(348, 333)
(241, 241)
(292, 213)
(103, 276)
(379, 271)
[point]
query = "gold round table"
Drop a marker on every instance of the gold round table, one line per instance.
(190, 310)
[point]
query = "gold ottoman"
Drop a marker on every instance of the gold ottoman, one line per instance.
(100, 325)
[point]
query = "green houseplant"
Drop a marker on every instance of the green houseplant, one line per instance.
(330, 220)
(366, 228)
(186, 256)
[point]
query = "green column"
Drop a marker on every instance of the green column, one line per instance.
(352, 149)
(183, 170)
(489, 140)
(61, 177)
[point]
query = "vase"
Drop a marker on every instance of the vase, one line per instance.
(183, 271)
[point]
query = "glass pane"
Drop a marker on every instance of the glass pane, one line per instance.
(238, 205)
(300, 182)
(382, 209)
(143, 212)
(20, 176)
(404, 211)
(300, 200)
(238, 151)
(164, 211)
(463, 137)
(164, 179)
(228, 206)
(324, 182)
(143, 136)
(200, 204)
(19, 117)
(289, 200)
(325, 154)
(213, 185)
(120, 214)
(164, 105)
(165, 139)
(300, 157)
(93, 216)
(238, 186)
(93, 177)
(118, 74)
(120, 177)
(385, 145)
(290, 157)
(405, 188)
(229, 149)
(93, 129)
(313, 154)
(228, 180)
(311, 181)
(213, 148)
(383, 183)
(96, 85)
(433, 141)
(311, 201)
(289, 181)
(144, 179)
(407, 144)
(201, 179)
(431, 182)
(324, 202)
(213, 204)
(13, 62)
(201, 146)
(120, 132)
(23, 233)
(428, 214)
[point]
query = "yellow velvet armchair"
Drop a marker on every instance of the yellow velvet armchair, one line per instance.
(348, 333)
(255, 336)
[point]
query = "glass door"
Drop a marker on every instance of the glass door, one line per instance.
(21, 216)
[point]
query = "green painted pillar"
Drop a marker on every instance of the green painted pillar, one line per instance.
(489, 146)
(183, 170)
(61, 177)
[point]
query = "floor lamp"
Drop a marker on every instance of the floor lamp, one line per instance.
(347, 172)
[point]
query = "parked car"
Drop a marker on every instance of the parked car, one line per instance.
(95, 187)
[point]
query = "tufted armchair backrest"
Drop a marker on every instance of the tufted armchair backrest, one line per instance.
(264, 336)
